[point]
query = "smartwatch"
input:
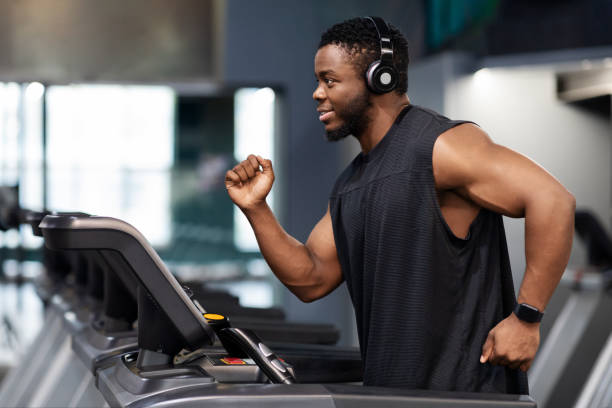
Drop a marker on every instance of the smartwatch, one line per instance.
(528, 313)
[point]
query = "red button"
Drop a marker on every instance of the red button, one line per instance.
(233, 360)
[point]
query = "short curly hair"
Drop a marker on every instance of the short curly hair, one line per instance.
(359, 38)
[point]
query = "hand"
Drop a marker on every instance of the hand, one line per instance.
(512, 343)
(247, 185)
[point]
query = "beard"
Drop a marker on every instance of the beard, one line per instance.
(354, 118)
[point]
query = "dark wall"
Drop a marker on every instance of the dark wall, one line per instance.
(275, 42)
(498, 27)
(530, 26)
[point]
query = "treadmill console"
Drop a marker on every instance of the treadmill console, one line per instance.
(169, 320)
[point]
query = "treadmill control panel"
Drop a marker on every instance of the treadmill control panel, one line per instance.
(241, 343)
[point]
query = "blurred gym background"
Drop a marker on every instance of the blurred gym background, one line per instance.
(136, 109)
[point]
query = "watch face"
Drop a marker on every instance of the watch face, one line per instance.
(528, 313)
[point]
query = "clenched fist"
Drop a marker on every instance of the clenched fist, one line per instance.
(249, 182)
(512, 343)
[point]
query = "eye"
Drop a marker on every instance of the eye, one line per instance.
(328, 81)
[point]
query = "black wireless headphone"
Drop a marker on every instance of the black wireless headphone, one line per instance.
(381, 75)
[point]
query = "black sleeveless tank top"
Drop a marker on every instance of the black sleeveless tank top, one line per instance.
(424, 299)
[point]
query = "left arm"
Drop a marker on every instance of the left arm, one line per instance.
(494, 177)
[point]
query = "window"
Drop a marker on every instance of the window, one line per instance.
(254, 134)
(110, 152)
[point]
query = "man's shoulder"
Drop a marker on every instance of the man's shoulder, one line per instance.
(463, 135)
(456, 151)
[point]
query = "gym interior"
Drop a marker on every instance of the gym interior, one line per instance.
(133, 112)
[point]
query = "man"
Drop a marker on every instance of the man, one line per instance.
(414, 227)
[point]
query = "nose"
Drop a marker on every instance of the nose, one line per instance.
(318, 93)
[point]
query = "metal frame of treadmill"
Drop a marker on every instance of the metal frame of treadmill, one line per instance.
(207, 393)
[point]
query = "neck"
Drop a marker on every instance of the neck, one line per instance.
(383, 112)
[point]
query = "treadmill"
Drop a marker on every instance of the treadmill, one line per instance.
(189, 357)
(108, 333)
(89, 316)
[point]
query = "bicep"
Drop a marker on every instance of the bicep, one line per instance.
(492, 176)
(322, 248)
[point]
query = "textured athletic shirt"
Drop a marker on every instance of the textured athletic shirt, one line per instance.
(424, 298)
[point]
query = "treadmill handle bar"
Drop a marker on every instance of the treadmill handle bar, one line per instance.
(268, 362)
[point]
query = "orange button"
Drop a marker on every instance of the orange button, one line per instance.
(212, 316)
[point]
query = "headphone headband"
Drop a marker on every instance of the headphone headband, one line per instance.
(384, 36)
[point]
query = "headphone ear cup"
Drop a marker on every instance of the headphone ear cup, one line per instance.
(381, 78)
(370, 76)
